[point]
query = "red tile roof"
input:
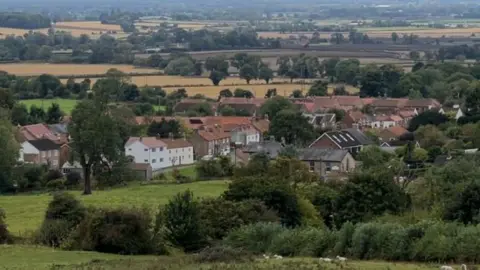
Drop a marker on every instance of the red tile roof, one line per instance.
(397, 130)
(407, 114)
(151, 142)
(236, 100)
(368, 101)
(211, 133)
(262, 125)
(323, 103)
(177, 143)
(37, 131)
(356, 115)
(396, 118)
(349, 101)
(227, 120)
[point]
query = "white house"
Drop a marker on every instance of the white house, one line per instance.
(245, 135)
(149, 150)
(180, 152)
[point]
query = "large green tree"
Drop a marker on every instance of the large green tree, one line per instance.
(291, 126)
(8, 158)
(274, 105)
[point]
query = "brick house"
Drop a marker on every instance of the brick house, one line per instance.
(350, 139)
(42, 151)
(210, 141)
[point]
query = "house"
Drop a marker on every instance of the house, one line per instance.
(422, 104)
(407, 115)
(250, 105)
(350, 139)
(353, 119)
(391, 134)
(271, 147)
(36, 132)
(262, 125)
(325, 161)
(382, 121)
(388, 105)
(321, 120)
(42, 151)
(74, 167)
(151, 150)
(209, 141)
(323, 104)
(244, 135)
(349, 102)
(180, 152)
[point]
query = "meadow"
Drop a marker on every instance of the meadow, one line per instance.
(29, 69)
(66, 105)
(36, 257)
(25, 212)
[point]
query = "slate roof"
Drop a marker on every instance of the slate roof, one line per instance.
(272, 148)
(44, 144)
(349, 137)
(318, 154)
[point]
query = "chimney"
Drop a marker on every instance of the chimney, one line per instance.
(141, 138)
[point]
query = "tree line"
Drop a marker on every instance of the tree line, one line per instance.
(24, 20)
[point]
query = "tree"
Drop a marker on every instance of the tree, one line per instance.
(427, 118)
(216, 77)
(274, 105)
(284, 65)
(183, 224)
(36, 115)
(292, 74)
(291, 126)
(373, 156)
(247, 73)
(242, 93)
(182, 66)
(265, 73)
(8, 158)
(7, 100)
(329, 66)
(225, 93)
(395, 37)
(429, 136)
(347, 71)
(340, 90)
(54, 114)
(337, 38)
(384, 197)
(198, 69)
(217, 63)
(98, 136)
(201, 109)
(414, 55)
(165, 129)
(227, 111)
(318, 88)
(297, 94)
(465, 206)
(472, 101)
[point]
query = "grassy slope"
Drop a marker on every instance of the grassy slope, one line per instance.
(66, 105)
(30, 257)
(25, 212)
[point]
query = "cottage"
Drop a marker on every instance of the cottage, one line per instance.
(350, 139)
(325, 161)
(150, 150)
(244, 135)
(271, 147)
(209, 141)
(42, 151)
(180, 152)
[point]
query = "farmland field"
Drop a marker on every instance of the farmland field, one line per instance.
(88, 25)
(18, 32)
(257, 90)
(25, 212)
(37, 257)
(68, 69)
(66, 105)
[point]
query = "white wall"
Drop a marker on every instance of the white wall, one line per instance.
(181, 156)
(29, 148)
(253, 137)
(156, 157)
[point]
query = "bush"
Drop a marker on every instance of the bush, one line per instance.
(65, 206)
(310, 215)
(219, 216)
(256, 238)
(56, 185)
(119, 231)
(52, 175)
(301, 242)
(4, 235)
(224, 254)
(183, 224)
(344, 239)
(73, 179)
(53, 232)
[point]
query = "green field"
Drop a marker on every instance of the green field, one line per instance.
(66, 105)
(30, 257)
(25, 212)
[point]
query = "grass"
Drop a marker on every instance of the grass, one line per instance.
(25, 212)
(32, 257)
(66, 105)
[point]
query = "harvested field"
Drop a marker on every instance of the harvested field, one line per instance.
(18, 32)
(186, 81)
(88, 25)
(257, 90)
(68, 69)
(425, 32)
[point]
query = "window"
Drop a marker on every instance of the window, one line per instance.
(145, 160)
(129, 149)
(54, 162)
(176, 151)
(188, 156)
(312, 166)
(161, 159)
(161, 149)
(169, 151)
(154, 161)
(189, 149)
(146, 150)
(328, 166)
(154, 149)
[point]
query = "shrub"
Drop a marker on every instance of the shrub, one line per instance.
(256, 238)
(53, 232)
(299, 242)
(310, 215)
(344, 239)
(73, 179)
(437, 243)
(56, 185)
(65, 206)
(4, 235)
(224, 254)
(52, 175)
(219, 216)
(119, 231)
(182, 222)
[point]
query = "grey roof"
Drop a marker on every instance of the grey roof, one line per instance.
(389, 149)
(320, 118)
(272, 148)
(335, 155)
(59, 128)
(349, 137)
(44, 145)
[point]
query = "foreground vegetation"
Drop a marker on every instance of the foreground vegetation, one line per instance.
(39, 258)
(25, 212)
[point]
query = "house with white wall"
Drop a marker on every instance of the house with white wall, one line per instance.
(43, 151)
(149, 150)
(180, 152)
(244, 135)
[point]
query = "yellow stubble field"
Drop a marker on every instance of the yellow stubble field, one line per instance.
(68, 69)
